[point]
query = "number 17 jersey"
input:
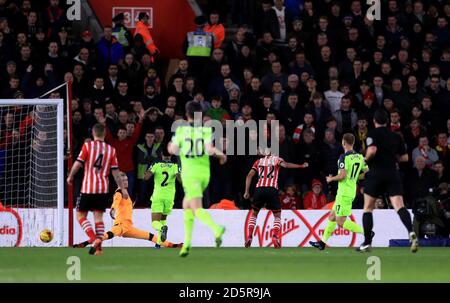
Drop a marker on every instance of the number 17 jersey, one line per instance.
(353, 163)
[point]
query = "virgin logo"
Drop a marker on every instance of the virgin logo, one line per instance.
(11, 230)
(296, 229)
(6, 230)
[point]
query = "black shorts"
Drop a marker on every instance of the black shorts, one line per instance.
(266, 197)
(381, 182)
(91, 202)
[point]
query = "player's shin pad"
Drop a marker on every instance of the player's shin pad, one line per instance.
(352, 226)
(206, 219)
(331, 226)
(188, 226)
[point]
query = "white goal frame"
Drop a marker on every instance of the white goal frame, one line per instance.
(59, 234)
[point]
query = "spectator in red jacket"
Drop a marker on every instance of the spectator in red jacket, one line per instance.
(290, 199)
(124, 146)
(315, 199)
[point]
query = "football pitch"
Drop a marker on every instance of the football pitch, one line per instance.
(225, 265)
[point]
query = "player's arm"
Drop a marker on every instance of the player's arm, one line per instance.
(82, 157)
(370, 153)
(173, 148)
(116, 202)
(363, 173)
(178, 176)
(118, 179)
(215, 152)
(248, 181)
(293, 165)
(75, 168)
(339, 177)
(403, 158)
(147, 175)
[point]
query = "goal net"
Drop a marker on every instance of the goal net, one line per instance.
(31, 171)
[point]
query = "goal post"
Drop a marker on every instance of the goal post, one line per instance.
(31, 171)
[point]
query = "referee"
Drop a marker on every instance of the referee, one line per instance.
(384, 149)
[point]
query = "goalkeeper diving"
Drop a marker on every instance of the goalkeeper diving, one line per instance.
(122, 213)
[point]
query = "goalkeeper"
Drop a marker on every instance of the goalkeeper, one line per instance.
(122, 213)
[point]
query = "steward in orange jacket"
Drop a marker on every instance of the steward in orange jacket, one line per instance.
(142, 28)
(216, 28)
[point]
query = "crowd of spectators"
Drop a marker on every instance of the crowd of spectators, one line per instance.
(321, 68)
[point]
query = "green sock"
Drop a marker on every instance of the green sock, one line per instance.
(331, 226)
(352, 226)
(206, 219)
(163, 222)
(157, 225)
(188, 226)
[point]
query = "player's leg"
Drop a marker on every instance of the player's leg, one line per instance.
(189, 219)
(270, 197)
(369, 205)
(156, 221)
(343, 214)
(205, 218)
(405, 217)
(329, 229)
(99, 225)
(201, 213)
(168, 206)
(276, 228)
(251, 225)
(82, 212)
(99, 205)
(116, 231)
(136, 233)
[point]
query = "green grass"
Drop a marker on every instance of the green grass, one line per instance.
(224, 265)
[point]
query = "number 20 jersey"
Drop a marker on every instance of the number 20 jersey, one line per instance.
(267, 169)
(98, 158)
(191, 141)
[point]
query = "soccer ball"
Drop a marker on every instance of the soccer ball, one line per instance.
(46, 235)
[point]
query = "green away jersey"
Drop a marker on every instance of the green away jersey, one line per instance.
(164, 173)
(191, 142)
(354, 164)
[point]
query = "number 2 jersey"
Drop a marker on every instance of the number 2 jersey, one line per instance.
(267, 169)
(99, 158)
(353, 163)
(164, 174)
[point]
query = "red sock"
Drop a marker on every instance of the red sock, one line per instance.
(251, 225)
(276, 227)
(87, 227)
(99, 229)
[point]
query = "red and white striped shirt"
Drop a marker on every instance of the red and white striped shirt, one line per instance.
(98, 158)
(267, 169)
